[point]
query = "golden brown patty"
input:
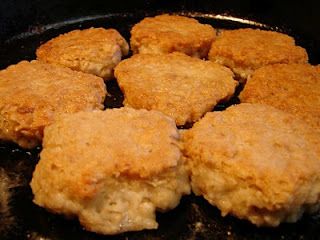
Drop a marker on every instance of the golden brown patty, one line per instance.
(94, 50)
(244, 50)
(33, 93)
(169, 33)
(255, 162)
(112, 169)
(294, 88)
(180, 86)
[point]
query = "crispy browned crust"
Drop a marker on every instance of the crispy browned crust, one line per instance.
(150, 139)
(33, 93)
(112, 169)
(170, 33)
(94, 50)
(180, 86)
(244, 50)
(255, 162)
(294, 88)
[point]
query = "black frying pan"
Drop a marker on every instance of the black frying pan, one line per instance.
(25, 26)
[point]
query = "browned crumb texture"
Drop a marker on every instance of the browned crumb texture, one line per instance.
(94, 50)
(113, 169)
(244, 50)
(255, 162)
(170, 33)
(180, 86)
(33, 93)
(294, 88)
(141, 143)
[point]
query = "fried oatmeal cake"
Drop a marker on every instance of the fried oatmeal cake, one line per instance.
(294, 88)
(255, 162)
(171, 33)
(112, 169)
(95, 50)
(178, 85)
(33, 93)
(245, 50)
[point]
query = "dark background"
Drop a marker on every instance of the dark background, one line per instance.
(18, 16)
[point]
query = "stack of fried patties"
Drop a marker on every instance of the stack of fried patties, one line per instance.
(114, 168)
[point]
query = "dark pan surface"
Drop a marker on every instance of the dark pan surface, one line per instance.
(194, 218)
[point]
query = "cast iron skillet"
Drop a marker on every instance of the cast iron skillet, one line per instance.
(194, 218)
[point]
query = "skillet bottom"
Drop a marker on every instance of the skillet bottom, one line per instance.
(194, 218)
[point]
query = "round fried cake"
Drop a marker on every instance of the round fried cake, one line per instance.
(245, 50)
(94, 50)
(294, 88)
(180, 86)
(33, 93)
(255, 162)
(112, 169)
(169, 33)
